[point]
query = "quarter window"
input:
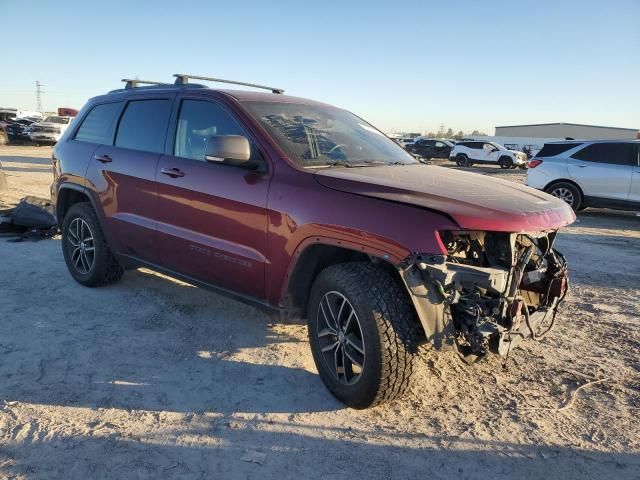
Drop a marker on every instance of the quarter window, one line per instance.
(98, 124)
(553, 149)
(613, 153)
(144, 125)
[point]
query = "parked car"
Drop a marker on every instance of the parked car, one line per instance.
(50, 129)
(601, 173)
(306, 210)
(19, 129)
(407, 141)
(8, 114)
(430, 148)
(467, 153)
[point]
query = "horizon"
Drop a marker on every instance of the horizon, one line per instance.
(404, 69)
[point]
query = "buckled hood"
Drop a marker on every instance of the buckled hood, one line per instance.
(473, 201)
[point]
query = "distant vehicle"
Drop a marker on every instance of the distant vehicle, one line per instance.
(466, 153)
(601, 173)
(19, 128)
(405, 142)
(67, 112)
(430, 148)
(8, 114)
(50, 130)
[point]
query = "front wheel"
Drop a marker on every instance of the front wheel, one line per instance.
(505, 163)
(363, 333)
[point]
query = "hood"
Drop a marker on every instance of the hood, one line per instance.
(473, 201)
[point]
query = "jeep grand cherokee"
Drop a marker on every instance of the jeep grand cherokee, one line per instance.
(305, 209)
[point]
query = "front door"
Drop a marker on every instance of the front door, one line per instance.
(212, 218)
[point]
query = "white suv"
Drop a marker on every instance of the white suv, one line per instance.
(466, 153)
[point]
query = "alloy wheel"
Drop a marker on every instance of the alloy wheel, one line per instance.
(563, 194)
(340, 337)
(81, 245)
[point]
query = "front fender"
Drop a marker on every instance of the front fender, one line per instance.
(301, 215)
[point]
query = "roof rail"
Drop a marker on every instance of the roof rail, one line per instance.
(134, 82)
(183, 79)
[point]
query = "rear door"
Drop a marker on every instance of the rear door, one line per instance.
(604, 170)
(124, 173)
(212, 218)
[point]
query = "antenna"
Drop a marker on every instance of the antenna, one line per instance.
(39, 93)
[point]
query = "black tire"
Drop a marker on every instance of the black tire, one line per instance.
(387, 325)
(461, 160)
(103, 268)
(505, 163)
(568, 192)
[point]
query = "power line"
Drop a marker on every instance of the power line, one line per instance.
(39, 93)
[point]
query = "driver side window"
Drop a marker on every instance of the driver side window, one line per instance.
(198, 120)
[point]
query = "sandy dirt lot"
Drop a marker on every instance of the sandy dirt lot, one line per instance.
(153, 378)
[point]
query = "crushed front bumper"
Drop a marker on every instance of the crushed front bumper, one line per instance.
(481, 308)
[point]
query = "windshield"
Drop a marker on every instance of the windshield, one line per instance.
(320, 135)
(62, 120)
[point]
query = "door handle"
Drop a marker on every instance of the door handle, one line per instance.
(103, 158)
(172, 172)
(581, 166)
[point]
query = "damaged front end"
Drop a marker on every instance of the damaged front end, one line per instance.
(490, 291)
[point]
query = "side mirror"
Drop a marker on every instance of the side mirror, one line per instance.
(228, 149)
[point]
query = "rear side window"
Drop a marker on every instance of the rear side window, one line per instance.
(613, 153)
(553, 149)
(97, 125)
(144, 125)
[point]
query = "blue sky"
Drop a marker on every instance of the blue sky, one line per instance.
(402, 65)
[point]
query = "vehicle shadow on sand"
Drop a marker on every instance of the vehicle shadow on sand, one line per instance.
(175, 348)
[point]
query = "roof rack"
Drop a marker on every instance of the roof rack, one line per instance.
(134, 82)
(183, 79)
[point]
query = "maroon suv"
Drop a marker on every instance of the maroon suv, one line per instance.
(308, 210)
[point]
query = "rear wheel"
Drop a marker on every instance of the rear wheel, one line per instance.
(506, 162)
(363, 333)
(567, 192)
(462, 161)
(85, 248)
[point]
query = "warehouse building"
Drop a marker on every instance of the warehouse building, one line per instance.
(566, 130)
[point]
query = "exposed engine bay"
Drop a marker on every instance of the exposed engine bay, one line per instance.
(494, 289)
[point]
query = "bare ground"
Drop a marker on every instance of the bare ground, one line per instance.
(153, 378)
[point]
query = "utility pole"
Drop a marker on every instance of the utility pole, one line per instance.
(39, 93)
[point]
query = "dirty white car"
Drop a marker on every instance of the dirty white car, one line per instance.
(466, 153)
(50, 129)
